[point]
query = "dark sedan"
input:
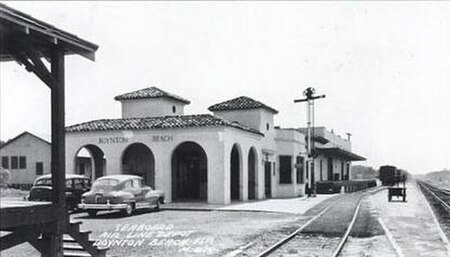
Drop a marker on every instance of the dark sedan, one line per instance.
(120, 192)
(76, 185)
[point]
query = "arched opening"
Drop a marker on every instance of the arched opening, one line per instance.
(138, 159)
(189, 172)
(90, 161)
(235, 172)
(252, 174)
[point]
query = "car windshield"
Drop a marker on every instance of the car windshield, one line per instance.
(44, 182)
(105, 184)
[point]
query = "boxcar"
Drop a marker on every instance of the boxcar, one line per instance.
(388, 175)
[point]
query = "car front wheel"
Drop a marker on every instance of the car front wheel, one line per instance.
(128, 210)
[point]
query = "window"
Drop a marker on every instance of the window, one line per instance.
(321, 176)
(174, 109)
(82, 168)
(78, 183)
(39, 168)
(300, 169)
(285, 169)
(137, 183)
(5, 162)
(307, 170)
(69, 183)
(128, 184)
(267, 126)
(106, 184)
(44, 182)
(22, 162)
(14, 162)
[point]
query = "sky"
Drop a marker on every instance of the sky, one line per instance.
(383, 66)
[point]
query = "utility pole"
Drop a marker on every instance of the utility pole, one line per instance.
(310, 97)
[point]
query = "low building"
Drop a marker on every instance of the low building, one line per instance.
(235, 153)
(332, 156)
(27, 157)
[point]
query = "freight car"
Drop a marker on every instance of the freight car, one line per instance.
(390, 175)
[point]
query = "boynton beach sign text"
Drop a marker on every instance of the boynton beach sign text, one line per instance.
(121, 140)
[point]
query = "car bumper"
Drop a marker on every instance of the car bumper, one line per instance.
(89, 206)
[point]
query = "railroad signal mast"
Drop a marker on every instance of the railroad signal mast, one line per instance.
(310, 97)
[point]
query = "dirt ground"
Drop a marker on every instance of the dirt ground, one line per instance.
(173, 233)
(410, 225)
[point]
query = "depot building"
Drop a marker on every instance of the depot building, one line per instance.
(235, 153)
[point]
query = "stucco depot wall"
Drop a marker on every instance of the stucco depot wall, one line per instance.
(35, 150)
(263, 121)
(141, 108)
(244, 142)
(317, 170)
(337, 167)
(254, 118)
(216, 142)
(292, 143)
(334, 139)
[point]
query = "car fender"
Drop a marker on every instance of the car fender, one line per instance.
(152, 194)
(124, 196)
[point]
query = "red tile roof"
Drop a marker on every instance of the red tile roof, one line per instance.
(163, 122)
(240, 103)
(151, 92)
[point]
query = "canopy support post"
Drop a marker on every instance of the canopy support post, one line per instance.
(55, 239)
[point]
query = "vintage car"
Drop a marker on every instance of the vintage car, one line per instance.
(120, 192)
(76, 186)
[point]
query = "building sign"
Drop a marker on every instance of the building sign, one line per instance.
(112, 140)
(162, 138)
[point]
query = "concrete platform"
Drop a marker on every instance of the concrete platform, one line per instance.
(410, 226)
(297, 205)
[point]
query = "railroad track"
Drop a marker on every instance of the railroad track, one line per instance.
(439, 199)
(441, 196)
(277, 247)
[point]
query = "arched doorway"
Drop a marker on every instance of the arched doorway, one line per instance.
(235, 172)
(138, 159)
(90, 161)
(252, 174)
(189, 172)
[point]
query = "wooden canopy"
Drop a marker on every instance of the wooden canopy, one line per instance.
(336, 151)
(18, 28)
(27, 41)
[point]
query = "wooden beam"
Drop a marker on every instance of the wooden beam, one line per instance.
(23, 52)
(18, 214)
(12, 240)
(18, 237)
(36, 243)
(41, 72)
(58, 133)
(54, 241)
(41, 68)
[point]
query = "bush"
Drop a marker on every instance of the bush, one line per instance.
(5, 177)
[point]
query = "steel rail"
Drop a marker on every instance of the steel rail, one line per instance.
(288, 238)
(349, 229)
(443, 203)
(352, 223)
(293, 234)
